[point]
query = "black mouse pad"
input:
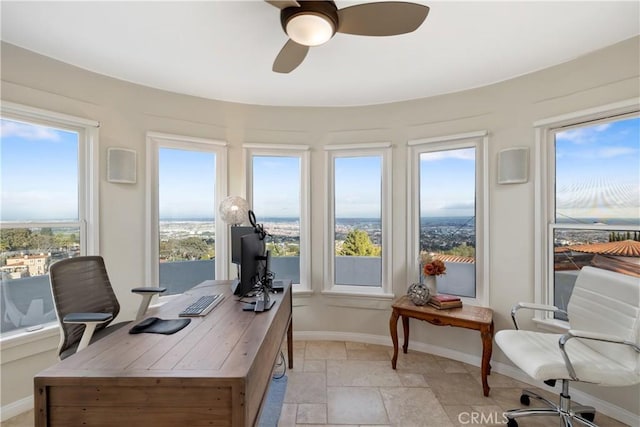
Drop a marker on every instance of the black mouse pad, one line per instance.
(155, 325)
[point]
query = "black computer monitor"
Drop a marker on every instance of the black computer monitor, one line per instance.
(252, 260)
(237, 231)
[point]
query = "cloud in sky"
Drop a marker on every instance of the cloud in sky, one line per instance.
(9, 128)
(587, 135)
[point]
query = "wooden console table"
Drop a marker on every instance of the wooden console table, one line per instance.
(467, 316)
(215, 371)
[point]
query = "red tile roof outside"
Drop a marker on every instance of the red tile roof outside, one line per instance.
(628, 248)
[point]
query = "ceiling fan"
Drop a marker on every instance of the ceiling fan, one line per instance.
(312, 23)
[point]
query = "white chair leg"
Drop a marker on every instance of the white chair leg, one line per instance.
(144, 305)
(86, 336)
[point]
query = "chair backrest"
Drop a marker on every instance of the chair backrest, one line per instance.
(81, 285)
(607, 302)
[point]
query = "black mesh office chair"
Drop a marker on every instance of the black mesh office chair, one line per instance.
(85, 302)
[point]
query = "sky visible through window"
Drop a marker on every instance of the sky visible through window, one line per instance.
(38, 172)
(598, 173)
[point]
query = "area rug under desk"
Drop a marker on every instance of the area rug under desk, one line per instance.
(273, 403)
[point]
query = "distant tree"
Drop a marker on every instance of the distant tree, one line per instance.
(358, 243)
(462, 250)
(191, 248)
(292, 249)
(14, 239)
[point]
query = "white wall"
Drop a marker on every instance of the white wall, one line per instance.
(507, 110)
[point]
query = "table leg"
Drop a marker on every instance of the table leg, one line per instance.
(405, 328)
(393, 328)
(290, 343)
(487, 347)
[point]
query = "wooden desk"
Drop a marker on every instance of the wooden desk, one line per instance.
(215, 371)
(468, 316)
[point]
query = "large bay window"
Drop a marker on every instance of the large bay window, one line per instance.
(589, 196)
(278, 193)
(186, 179)
(358, 250)
(448, 193)
(48, 210)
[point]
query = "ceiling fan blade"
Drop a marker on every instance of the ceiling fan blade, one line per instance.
(283, 4)
(291, 55)
(381, 19)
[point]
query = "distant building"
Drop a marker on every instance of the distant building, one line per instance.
(14, 272)
(37, 265)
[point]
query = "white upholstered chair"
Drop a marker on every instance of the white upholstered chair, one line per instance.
(602, 346)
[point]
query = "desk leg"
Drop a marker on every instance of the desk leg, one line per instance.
(405, 329)
(487, 347)
(393, 328)
(290, 343)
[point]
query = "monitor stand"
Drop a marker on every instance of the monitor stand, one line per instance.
(234, 285)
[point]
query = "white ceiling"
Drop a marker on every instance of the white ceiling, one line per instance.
(225, 50)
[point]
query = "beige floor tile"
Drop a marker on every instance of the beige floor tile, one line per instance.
(361, 373)
(478, 415)
(25, 419)
(315, 366)
(452, 366)
(288, 415)
(369, 354)
(416, 363)
(413, 407)
(412, 380)
(355, 405)
(306, 387)
(312, 413)
(452, 389)
(325, 350)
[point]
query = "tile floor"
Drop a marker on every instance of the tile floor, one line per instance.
(352, 384)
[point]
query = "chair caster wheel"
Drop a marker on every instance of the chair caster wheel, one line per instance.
(512, 423)
(524, 399)
(589, 416)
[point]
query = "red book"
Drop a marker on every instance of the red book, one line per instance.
(445, 298)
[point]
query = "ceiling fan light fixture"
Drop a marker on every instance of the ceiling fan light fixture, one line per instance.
(310, 29)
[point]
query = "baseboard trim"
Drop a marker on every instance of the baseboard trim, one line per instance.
(603, 407)
(16, 408)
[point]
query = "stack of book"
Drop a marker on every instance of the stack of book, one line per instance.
(444, 301)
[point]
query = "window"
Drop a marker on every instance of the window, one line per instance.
(187, 178)
(277, 192)
(592, 197)
(48, 207)
(358, 214)
(449, 212)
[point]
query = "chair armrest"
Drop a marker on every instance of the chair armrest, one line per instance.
(532, 306)
(587, 335)
(146, 293)
(90, 321)
(147, 290)
(87, 318)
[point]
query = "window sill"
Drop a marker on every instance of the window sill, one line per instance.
(377, 300)
(551, 325)
(25, 344)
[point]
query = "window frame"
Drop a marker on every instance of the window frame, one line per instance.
(480, 141)
(88, 189)
(544, 227)
(332, 152)
(249, 150)
(155, 141)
